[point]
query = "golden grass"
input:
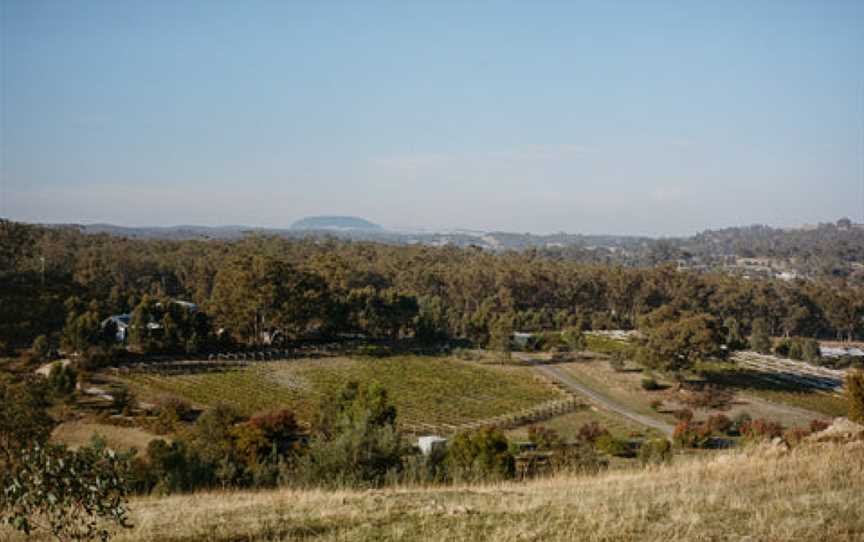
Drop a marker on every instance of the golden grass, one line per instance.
(78, 433)
(811, 493)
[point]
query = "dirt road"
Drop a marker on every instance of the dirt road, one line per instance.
(555, 373)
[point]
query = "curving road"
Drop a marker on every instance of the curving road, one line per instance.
(555, 373)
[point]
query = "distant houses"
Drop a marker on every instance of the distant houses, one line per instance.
(122, 322)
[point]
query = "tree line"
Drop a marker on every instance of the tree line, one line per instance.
(261, 289)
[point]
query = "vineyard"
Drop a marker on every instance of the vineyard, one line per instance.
(429, 392)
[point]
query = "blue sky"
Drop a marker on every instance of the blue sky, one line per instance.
(596, 117)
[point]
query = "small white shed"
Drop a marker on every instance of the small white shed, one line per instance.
(428, 443)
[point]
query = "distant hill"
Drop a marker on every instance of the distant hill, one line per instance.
(335, 223)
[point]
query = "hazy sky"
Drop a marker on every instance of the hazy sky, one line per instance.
(620, 117)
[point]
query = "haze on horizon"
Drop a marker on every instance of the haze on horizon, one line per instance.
(587, 117)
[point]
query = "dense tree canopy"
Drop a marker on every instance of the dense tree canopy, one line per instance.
(268, 288)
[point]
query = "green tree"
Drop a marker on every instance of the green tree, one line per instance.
(62, 379)
(734, 338)
(24, 420)
(811, 351)
(483, 455)
(356, 443)
(70, 494)
(40, 349)
(676, 345)
(574, 339)
(760, 340)
(502, 335)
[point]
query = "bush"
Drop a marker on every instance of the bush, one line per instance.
(574, 339)
(577, 459)
(739, 422)
(795, 435)
(616, 362)
(170, 412)
(761, 429)
(483, 455)
(719, 423)
(591, 431)
(708, 398)
(62, 379)
(544, 438)
(818, 425)
(98, 357)
(356, 442)
(811, 351)
(691, 435)
(783, 348)
(655, 451)
(41, 348)
(855, 395)
(649, 384)
(656, 404)
(613, 446)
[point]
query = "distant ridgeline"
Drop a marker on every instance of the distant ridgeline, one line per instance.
(335, 223)
(828, 249)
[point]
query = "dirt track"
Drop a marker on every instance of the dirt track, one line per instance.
(555, 373)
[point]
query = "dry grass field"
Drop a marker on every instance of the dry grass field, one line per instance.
(810, 493)
(78, 433)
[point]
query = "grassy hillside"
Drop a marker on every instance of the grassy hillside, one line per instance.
(812, 493)
(424, 389)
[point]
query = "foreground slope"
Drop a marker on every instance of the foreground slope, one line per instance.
(811, 493)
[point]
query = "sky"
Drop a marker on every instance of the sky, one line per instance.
(626, 117)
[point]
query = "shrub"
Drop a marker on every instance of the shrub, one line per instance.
(591, 431)
(855, 395)
(795, 435)
(574, 339)
(544, 438)
(613, 446)
(579, 458)
(356, 442)
(783, 348)
(691, 435)
(811, 351)
(656, 404)
(761, 429)
(483, 455)
(719, 423)
(40, 349)
(708, 398)
(279, 427)
(97, 357)
(655, 451)
(818, 425)
(617, 362)
(170, 411)
(62, 379)
(739, 422)
(650, 384)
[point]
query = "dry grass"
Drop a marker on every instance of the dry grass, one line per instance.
(78, 433)
(812, 493)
